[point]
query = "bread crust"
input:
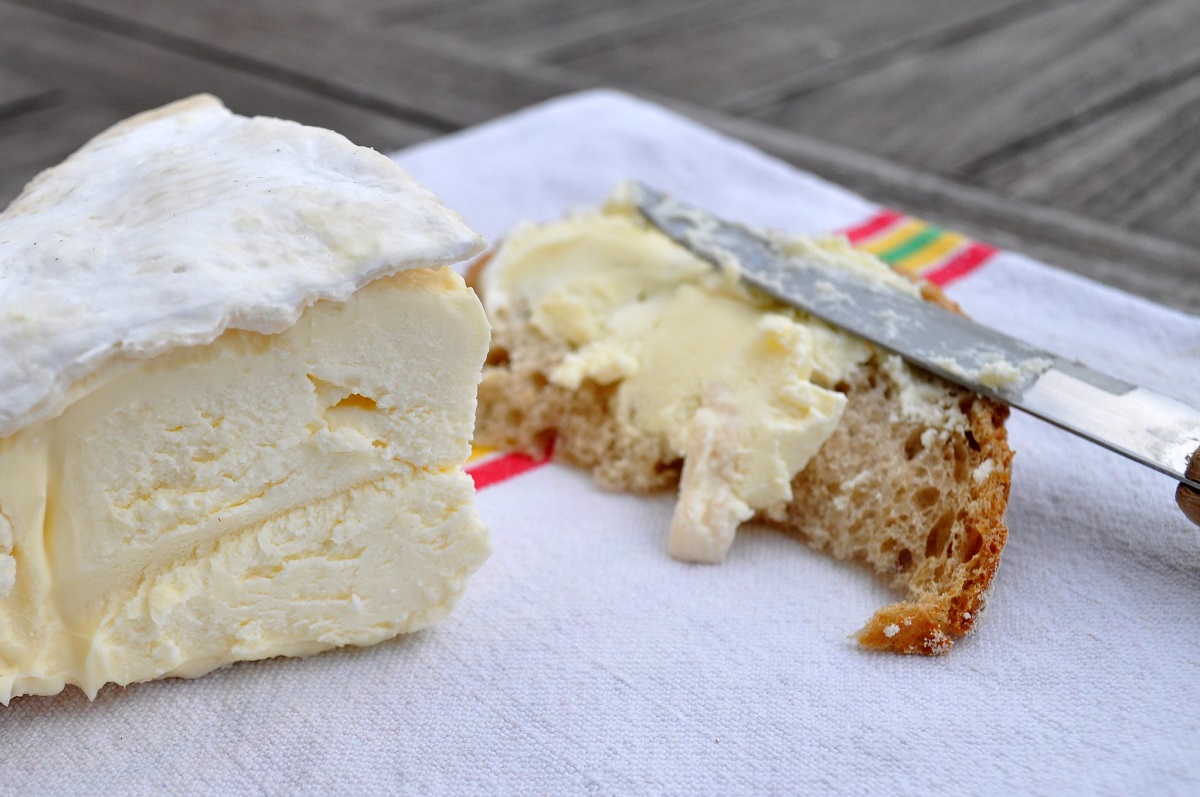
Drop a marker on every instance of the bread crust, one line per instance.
(922, 508)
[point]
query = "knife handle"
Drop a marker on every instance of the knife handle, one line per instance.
(1187, 498)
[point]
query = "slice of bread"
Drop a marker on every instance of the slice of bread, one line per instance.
(917, 502)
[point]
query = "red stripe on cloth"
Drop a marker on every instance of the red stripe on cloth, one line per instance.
(503, 468)
(961, 264)
(873, 226)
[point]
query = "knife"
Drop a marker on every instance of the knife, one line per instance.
(1148, 427)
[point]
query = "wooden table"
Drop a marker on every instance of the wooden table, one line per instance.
(1068, 129)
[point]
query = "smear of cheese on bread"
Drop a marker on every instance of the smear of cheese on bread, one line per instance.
(738, 386)
(912, 481)
(216, 443)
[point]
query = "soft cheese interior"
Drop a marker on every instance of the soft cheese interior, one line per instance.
(237, 387)
(262, 495)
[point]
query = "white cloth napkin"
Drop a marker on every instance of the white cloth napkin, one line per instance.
(584, 660)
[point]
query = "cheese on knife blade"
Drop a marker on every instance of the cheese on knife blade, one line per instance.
(236, 393)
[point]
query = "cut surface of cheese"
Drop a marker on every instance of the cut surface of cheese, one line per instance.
(262, 495)
(235, 402)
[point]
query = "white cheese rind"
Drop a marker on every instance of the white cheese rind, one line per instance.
(183, 222)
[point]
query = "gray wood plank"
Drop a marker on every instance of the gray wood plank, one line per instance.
(717, 54)
(128, 75)
(386, 70)
(365, 14)
(951, 109)
(888, 49)
(19, 93)
(368, 13)
(1137, 167)
(1175, 213)
(43, 137)
(100, 78)
(533, 29)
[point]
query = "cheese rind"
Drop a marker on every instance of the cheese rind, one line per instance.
(261, 495)
(183, 222)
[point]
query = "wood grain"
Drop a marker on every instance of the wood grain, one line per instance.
(100, 78)
(952, 109)
(390, 71)
(1136, 168)
(937, 32)
(1188, 498)
(718, 53)
(369, 13)
(537, 29)
(43, 137)
(19, 93)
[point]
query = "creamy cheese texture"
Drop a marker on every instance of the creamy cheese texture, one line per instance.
(235, 417)
(739, 386)
(993, 369)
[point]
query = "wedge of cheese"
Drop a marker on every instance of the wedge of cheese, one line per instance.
(237, 387)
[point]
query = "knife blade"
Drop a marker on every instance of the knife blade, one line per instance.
(1149, 427)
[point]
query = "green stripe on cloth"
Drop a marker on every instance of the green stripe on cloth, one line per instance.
(912, 245)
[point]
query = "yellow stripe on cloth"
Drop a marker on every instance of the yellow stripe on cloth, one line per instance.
(895, 237)
(931, 254)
